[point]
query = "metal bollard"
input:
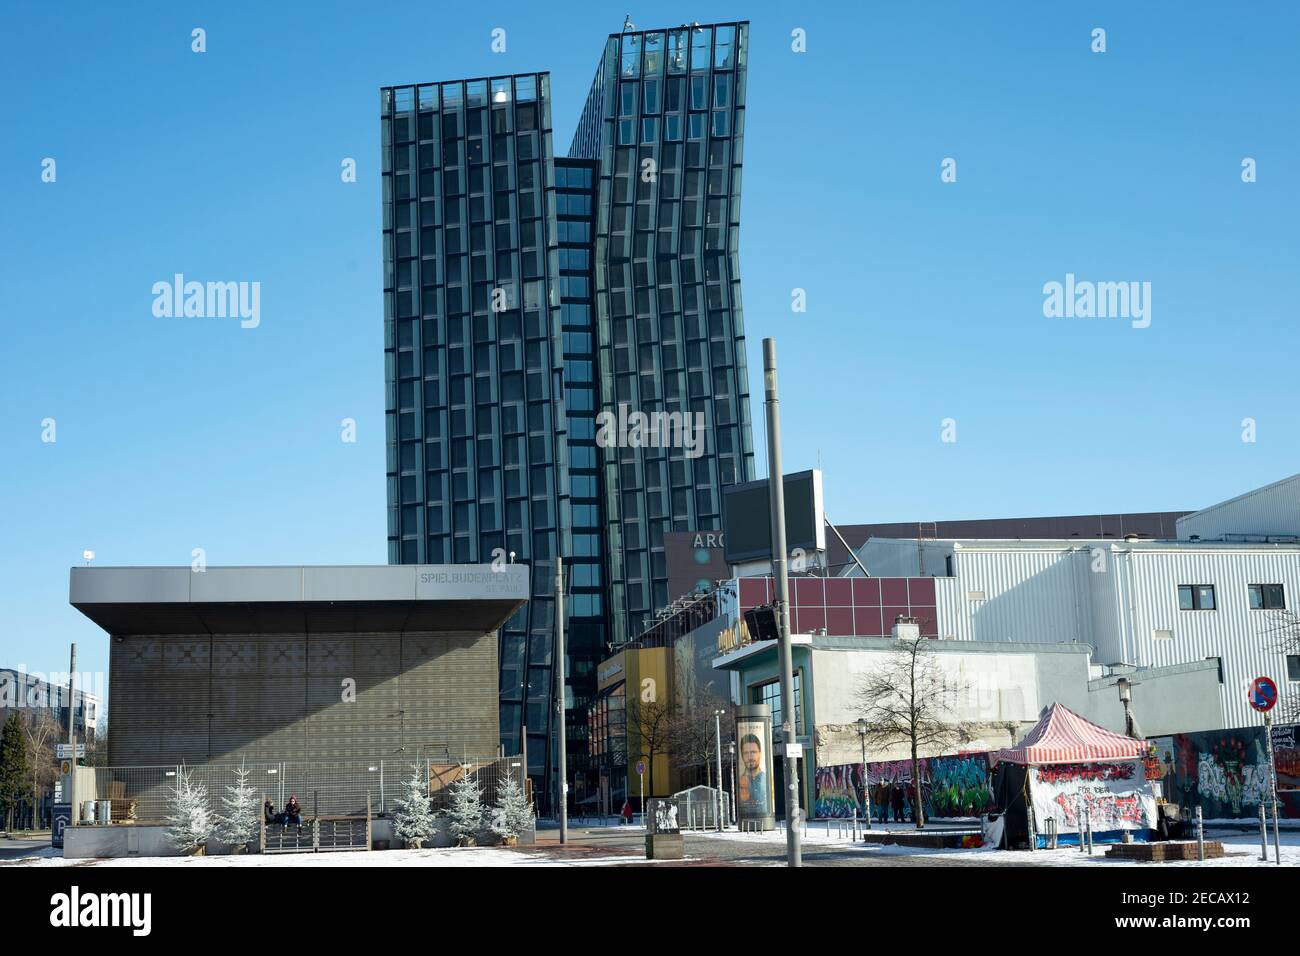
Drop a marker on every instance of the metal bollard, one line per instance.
(1263, 834)
(1200, 835)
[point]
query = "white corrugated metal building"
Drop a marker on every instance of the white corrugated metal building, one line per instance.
(1139, 602)
(1270, 513)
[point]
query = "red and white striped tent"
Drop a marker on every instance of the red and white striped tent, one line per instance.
(1062, 736)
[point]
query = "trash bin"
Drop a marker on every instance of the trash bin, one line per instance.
(104, 812)
(87, 811)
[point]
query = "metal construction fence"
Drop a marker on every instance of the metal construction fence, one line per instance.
(145, 794)
(698, 808)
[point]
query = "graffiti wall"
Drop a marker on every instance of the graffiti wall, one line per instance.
(839, 791)
(1226, 772)
(959, 786)
(1115, 796)
(956, 786)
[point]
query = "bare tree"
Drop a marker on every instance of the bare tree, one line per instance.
(43, 732)
(653, 723)
(910, 700)
(97, 741)
(694, 740)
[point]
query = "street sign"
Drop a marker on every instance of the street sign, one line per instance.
(65, 766)
(640, 766)
(64, 751)
(1263, 694)
(793, 751)
(62, 817)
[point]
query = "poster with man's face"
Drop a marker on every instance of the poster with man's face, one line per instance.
(754, 775)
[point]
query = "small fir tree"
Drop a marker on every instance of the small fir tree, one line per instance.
(190, 823)
(513, 813)
(413, 821)
(238, 825)
(466, 813)
(14, 772)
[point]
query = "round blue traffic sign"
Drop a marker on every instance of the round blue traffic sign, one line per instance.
(1263, 694)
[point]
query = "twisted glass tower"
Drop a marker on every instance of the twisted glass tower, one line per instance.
(665, 120)
(525, 296)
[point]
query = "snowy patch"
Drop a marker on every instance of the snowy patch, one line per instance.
(447, 856)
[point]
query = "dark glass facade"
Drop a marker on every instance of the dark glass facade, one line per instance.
(523, 296)
(665, 120)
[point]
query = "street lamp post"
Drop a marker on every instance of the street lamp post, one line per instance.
(780, 570)
(731, 758)
(717, 724)
(866, 780)
(1126, 699)
(563, 771)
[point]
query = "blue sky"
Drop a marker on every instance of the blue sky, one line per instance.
(924, 298)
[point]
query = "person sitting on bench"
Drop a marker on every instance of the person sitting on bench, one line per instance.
(269, 814)
(293, 813)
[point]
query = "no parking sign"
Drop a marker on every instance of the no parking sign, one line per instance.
(1263, 694)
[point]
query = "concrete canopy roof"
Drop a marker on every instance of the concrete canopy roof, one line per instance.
(280, 600)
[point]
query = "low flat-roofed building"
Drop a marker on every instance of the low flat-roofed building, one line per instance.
(301, 663)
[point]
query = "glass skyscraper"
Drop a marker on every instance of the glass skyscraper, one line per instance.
(526, 295)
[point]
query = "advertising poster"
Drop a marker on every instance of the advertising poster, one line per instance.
(754, 794)
(1117, 796)
(1286, 757)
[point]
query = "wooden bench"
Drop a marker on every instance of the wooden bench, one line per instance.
(323, 834)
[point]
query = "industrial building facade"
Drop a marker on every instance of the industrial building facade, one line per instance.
(36, 698)
(524, 294)
(1227, 593)
(303, 664)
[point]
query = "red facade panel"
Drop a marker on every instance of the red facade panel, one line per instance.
(893, 591)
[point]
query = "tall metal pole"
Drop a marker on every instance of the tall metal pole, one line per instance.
(72, 734)
(1272, 776)
(717, 725)
(731, 759)
(523, 747)
(559, 698)
(866, 780)
(776, 490)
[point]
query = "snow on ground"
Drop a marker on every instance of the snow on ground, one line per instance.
(1243, 843)
(1235, 841)
(838, 833)
(467, 856)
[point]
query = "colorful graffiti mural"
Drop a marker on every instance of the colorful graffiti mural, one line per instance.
(959, 786)
(955, 786)
(1117, 796)
(1226, 772)
(839, 791)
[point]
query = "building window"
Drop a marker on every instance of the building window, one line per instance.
(770, 694)
(1267, 597)
(1196, 597)
(1293, 667)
